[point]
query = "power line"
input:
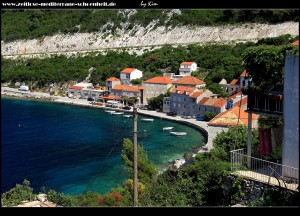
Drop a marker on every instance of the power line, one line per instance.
(113, 147)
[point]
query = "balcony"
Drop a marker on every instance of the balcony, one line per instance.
(266, 102)
(263, 171)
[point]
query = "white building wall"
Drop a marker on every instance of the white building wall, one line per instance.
(136, 74)
(290, 146)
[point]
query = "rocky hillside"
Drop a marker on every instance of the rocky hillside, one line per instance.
(138, 38)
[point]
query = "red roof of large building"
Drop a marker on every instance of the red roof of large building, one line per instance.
(187, 63)
(241, 102)
(196, 94)
(230, 118)
(296, 43)
(214, 102)
(182, 89)
(128, 70)
(234, 82)
(112, 79)
(188, 80)
(76, 87)
(126, 88)
(159, 80)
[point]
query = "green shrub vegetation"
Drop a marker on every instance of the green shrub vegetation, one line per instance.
(199, 183)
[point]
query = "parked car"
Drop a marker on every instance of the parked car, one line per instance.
(171, 114)
(200, 118)
(90, 99)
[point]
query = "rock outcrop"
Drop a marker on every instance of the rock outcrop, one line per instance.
(141, 37)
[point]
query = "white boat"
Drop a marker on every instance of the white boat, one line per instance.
(178, 133)
(168, 128)
(127, 116)
(147, 119)
(117, 113)
(109, 111)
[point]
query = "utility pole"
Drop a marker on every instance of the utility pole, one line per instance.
(135, 157)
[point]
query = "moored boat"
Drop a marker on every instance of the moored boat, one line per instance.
(127, 116)
(178, 133)
(117, 113)
(147, 119)
(168, 128)
(109, 111)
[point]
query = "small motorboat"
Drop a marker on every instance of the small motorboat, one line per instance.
(117, 113)
(178, 133)
(168, 128)
(147, 119)
(127, 116)
(109, 111)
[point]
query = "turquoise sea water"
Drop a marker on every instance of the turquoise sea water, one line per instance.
(74, 149)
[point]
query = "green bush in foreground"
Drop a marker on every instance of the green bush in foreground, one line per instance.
(17, 194)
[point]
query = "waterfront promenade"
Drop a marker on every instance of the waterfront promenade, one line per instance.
(210, 131)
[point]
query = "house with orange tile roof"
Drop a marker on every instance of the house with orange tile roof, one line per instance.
(155, 86)
(296, 43)
(111, 82)
(126, 91)
(233, 117)
(186, 68)
(207, 104)
(183, 100)
(129, 74)
(83, 90)
(236, 84)
(189, 81)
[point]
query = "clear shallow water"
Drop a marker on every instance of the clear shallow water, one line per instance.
(73, 149)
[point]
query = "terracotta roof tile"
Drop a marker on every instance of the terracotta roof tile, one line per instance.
(76, 87)
(243, 102)
(187, 63)
(112, 79)
(128, 70)
(126, 88)
(243, 74)
(234, 82)
(203, 100)
(182, 89)
(188, 80)
(214, 102)
(196, 94)
(159, 80)
(230, 118)
(220, 102)
(296, 43)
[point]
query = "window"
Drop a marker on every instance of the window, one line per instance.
(184, 99)
(199, 108)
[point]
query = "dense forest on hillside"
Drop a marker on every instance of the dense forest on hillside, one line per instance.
(29, 24)
(215, 62)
